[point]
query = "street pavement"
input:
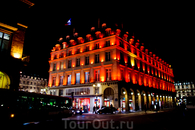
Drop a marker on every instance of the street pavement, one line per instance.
(167, 119)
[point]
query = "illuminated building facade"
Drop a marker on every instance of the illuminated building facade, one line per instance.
(109, 67)
(11, 50)
(33, 84)
(184, 89)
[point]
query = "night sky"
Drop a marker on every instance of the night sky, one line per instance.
(166, 29)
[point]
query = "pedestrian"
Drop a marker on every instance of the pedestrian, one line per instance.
(93, 109)
(111, 106)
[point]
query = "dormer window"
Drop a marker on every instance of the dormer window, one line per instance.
(108, 31)
(64, 45)
(98, 33)
(72, 42)
(88, 37)
(118, 32)
(80, 40)
(67, 37)
(125, 37)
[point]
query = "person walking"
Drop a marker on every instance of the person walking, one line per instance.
(93, 109)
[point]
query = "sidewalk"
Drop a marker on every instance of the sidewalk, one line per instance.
(148, 111)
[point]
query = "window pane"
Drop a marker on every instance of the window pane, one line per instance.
(77, 77)
(1, 34)
(6, 36)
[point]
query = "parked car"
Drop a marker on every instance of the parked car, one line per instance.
(77, 111)
(111, 110)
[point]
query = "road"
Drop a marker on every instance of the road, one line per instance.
(165, 120)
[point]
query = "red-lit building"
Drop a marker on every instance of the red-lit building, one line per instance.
(109, 67)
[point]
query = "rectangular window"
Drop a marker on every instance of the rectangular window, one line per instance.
(78, 50)
(87, 48)
(60, 92)
(108, 74)
(107, 43)
(54, 81)
(69, 63)
(54, 67)
(122, 78)
(97, 46)
(121, 44)
(87, 60)
(70, 53)
(61, 80)
(129, 77)
(77, 78)
(107, 56)
(97, 75)
(86, 77)
(61, 65)
(69, 79)
(61, 55)
(78, 62)
(97, 58)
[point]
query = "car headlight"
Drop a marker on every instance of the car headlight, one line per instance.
(72, 110)
(78, 111)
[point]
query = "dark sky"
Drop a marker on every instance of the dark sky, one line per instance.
(167, 29)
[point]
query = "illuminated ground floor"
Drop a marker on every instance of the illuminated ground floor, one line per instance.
(121, 95)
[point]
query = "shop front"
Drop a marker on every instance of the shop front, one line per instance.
(82, 103)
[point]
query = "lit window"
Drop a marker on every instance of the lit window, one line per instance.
(86, 77)
(62, 65)
(69, 79)
(6, 36)
(77, 78)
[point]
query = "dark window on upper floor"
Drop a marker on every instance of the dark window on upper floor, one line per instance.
(78, 51)
(87, 60)
(69, 63)
(129, 62)
(107, 43)
(97, 58)
(78, 62)
(121, 43)
(97, 46)
(55, 56)
(87, 48)
(54, 67)
(61, 55)
(107, 56)
(128, 48)
(122, 59)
